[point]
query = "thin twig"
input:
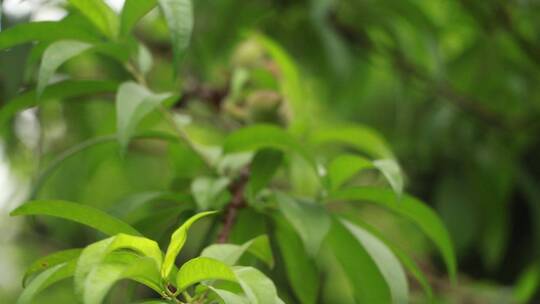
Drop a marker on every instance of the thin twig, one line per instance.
(237, 202)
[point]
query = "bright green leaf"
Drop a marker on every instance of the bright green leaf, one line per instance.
(178, 239)
(100, 14)
(391, 170)
(43, 31)
(83, 214)
(203, 269)
(46, 279)
(412, 209)
(132, 12)
(231, 253)
(55, 55)
(527, 284)
(49, 261)
(310, 220)
(229, 297)
(117, 266)
(96, 253)
(258, 288)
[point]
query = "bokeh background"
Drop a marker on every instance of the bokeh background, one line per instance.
(453, 85)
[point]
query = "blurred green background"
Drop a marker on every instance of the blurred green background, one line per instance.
(453, 85)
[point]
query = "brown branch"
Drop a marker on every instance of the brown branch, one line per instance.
(237, 202)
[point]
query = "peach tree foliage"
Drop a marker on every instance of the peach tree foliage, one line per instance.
(270, 164)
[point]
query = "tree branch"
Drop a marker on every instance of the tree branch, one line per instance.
(237, 202)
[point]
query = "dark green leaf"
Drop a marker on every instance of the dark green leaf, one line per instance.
(412, 209)
(388, 263)
(364, 275)
(310, 220)
(301, 270)
(263, 167)
(83, 214)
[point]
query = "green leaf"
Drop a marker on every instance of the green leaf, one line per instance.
(55, 55)
(527, 284)
(132, 12)
(258, 288)
(133, 103)
(203, 269)
(412, 209)
(301, 270)
(83, 214)
(263, 167)
(345, 166)
(96, 253)
(179, 17)
(119, 265)
(310, 220)
(61, 90)
(231, 253)
(49, 261)
(388, 263)
(261, 136)
(178, 240)
(405, 260)
(356, 136)
(391, 170)
(209, 192)
(229, 297)
(364, 275)
(100, 14)
(46, 279)
(43, 31)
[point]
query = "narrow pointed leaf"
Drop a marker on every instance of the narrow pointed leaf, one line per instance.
(301, 270)
(83, 214)
(363, 273)
(133, 103)
(132, 12)
(310, 220)
(42, 31)
(387, 262)
(412, 209)
(178, 239)
(179, 17)
(392, 172)
(46, 279)
(49, 261)
(263, 167)
(55, 55)
(345, 166)
(100, 14)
